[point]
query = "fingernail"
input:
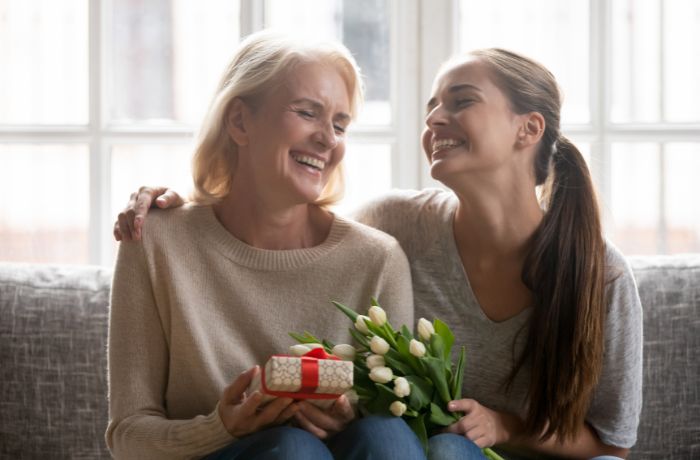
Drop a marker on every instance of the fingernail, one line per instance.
(451, 406)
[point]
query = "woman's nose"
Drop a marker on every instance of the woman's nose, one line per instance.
(326, 136)
(436, 117)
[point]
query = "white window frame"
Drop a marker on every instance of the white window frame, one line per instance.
(423, 34)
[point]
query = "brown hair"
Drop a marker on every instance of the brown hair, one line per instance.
(261, 62)
(565, 265)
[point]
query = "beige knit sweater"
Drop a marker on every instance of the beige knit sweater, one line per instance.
(192, 307)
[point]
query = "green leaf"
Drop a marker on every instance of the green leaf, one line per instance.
(418, 426)
(491, 455)
(437, 346)
(403, 346)
(458, 377)
(380, 404)
(421, 391)
(445, 333)
(436, 371)
(306, 337)
(394, 360)
(349, 312)
(440, 417)
(405, 332)
(359, 338)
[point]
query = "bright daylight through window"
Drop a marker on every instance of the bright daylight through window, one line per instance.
(100, 97)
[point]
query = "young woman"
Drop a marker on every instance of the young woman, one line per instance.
(547, 309)
(214, 287)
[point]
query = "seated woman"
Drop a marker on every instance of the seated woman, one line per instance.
(547, 309)
(214, 287)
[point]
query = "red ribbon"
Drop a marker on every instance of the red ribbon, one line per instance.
(309, 377)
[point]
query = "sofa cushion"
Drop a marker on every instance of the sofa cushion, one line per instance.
(53, 330)
(669, 288)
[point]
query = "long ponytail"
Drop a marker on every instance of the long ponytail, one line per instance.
(565, 272)
(565, 266)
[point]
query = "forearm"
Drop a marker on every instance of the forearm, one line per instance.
(154, 436)
(585, 444)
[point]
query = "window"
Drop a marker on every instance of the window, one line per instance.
(628, 70)
(105, 95)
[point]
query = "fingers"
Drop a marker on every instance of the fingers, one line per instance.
(306, 424)
(233, 393)
(116, 232)
(462, 405)
(328, 421)
(272, 412)
(124, 227)
(168, 199)
(343, 409)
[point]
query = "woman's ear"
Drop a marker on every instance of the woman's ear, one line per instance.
(531, 130)
(236, 121)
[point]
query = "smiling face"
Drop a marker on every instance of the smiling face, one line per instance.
(470, 126)
(295, 136)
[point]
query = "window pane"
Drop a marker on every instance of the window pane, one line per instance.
(551, 31)
(44, 203)
(362, 25)
(635, 197)
(167, 58)
(44, 62)
(154, 165)
(682, 61)
(367, 174)
(682, 190)
(645, 87)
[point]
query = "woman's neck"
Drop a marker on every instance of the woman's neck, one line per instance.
(263, 225)
(496, 223)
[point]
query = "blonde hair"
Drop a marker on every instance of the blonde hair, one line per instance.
(262, 61)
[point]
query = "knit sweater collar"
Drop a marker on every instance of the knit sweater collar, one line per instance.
(266, 259)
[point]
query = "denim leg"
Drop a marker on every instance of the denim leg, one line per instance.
(450, 446)
(279, 443)
(377, 438)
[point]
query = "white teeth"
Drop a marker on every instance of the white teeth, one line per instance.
(310, 161)
(445, 144)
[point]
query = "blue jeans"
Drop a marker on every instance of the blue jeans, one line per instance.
(378, 438)
(450, 446)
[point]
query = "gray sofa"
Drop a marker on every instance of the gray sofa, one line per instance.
(53, 329)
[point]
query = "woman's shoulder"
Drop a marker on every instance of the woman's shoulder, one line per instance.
(398, 210)
(175, 223)
(623, 298)
(360, 234)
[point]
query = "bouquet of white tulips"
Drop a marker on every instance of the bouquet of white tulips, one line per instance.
(400, 374)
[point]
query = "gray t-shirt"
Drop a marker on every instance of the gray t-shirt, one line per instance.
(422, 222)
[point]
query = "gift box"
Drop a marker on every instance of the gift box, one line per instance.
(317, 377)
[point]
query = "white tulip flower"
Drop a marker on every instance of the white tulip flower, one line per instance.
(360, 324)
(377, 315)
(416, 348)
(378, 345)
(344, 351)
(313, 345)
(375, 361)
(381, 374)
(425, 329)
(397, 408)
(299, 349)
(401, 387)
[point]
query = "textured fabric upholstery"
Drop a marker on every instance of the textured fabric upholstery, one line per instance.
(53, 365)
(669, 288)
(53, 331)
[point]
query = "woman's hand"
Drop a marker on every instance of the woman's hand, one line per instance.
(324, 424)
(482, 425)
(241, 414)
(130, 220)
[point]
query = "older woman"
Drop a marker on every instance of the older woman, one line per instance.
(215, 286)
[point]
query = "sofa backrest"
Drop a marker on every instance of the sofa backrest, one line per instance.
(53, 365)
(53, 378)
(669, 288)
